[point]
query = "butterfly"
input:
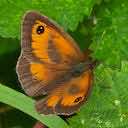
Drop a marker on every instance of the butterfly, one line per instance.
(52, 68)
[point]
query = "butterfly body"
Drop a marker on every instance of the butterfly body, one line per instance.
(52, 64)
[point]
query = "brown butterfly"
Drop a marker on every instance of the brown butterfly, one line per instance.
(52, 64)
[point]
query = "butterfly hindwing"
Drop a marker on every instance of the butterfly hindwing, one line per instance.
(68, 97)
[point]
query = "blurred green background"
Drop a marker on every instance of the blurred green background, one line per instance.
(101, 25)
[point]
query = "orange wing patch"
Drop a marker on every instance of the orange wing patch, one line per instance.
(51, 47)
(40, 72)
(77, 89)
(52, 101)
(45, 73)
(40, 42)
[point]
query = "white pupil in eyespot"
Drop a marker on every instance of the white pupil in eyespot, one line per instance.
(40, 29)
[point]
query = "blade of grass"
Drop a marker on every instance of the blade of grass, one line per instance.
(26, 105)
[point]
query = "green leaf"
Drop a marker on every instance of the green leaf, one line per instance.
(110, 41)
(25, 104)
(8, 45)
(68, 13)
(107, 107)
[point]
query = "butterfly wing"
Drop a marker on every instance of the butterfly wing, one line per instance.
(46, 54)
(32, 76)
(44, 42)
(67, 98)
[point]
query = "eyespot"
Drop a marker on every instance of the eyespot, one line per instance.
(40, 29)
(78, 99)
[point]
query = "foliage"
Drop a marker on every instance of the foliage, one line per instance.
(102, 24)
(25, 104)
(68, 13)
